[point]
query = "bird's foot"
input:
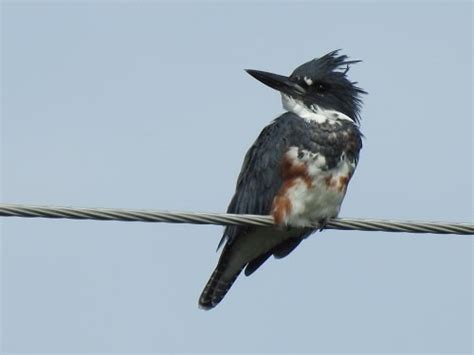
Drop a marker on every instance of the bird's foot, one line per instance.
(323, 222)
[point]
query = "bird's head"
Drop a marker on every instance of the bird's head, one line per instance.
(319, 83)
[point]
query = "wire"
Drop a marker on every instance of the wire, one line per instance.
(103, 214)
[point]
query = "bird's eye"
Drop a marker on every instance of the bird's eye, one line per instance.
(321, 88)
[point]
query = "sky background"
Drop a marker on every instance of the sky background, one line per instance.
(146, 105)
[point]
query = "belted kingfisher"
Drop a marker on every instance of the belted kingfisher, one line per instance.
(297, 170)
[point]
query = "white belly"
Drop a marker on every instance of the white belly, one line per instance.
(319, 193)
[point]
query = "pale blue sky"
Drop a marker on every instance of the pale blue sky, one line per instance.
(146, 105)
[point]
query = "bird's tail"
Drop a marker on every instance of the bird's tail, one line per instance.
(219, 283)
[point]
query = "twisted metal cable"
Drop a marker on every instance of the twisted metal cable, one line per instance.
(108, 214)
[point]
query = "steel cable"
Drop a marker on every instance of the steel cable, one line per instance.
(108, 214)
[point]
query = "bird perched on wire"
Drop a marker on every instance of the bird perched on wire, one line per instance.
(297, 170)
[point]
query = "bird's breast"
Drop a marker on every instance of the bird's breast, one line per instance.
(312, 188)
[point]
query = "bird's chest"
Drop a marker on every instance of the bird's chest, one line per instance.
(314, 182)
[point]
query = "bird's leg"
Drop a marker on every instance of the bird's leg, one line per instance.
(323, 222)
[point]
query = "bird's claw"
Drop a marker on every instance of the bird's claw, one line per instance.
(323, 223)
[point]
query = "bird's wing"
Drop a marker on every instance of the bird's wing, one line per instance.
(257, 185)
(259, 179)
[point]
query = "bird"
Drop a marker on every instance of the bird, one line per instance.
(297, 170)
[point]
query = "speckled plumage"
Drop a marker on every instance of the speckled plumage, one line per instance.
(297, 170)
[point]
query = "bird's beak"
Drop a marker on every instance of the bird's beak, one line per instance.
(277, 82)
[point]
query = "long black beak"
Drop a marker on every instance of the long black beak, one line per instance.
(277, 82)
